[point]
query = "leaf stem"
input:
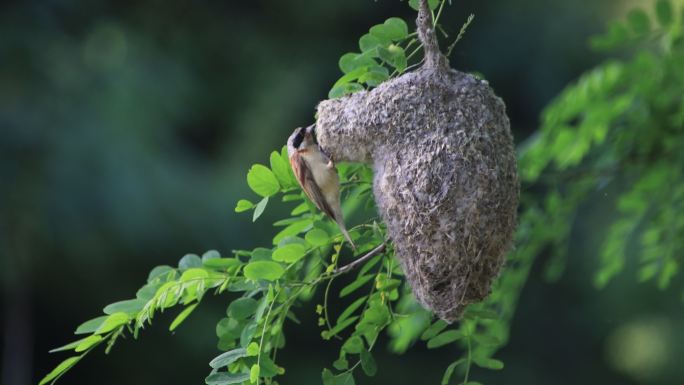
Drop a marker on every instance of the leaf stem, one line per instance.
(468, 361)
(439, 13)
(325, 303)
(263, 331)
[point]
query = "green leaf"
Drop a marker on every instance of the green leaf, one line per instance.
(61, 368)
(450, 370)
(617, 34)
(394, 56)
(293, 197)
(226, 378)
(638, 21)
(253, 349)
(664, 12)
(254, 373)
(487, 340)
(344, 89)
(182, 316)
(351, 309)
(393, 28)
(384, 284)
(189, 261)
(242, 308)
(431, 3)
(293, 229)
(375, 317)
(261, 254)
(91, 325)
(292, 240)
(248, 333)
(352, 287)
(282, 170)
(194, 274)
(648, 271)
(341, 363)
(369, 42)
(159, 271)
(210, 254)
(351, 61)
(260, 207)
(374, 76)
(243, 205)
(289, 253)
(228, 327)
(482, 314)
(317, 237)
(434, 329)
(221, 263)
(667, 273)
(341, 379)
(131, 306)
(369, 265)
(300, 209)
(488, 363)
(262, 181)
(87, 343)
(328, 334)
(290, 221)
(445, 338)
(354, 345)
(228, 358)
(112, 322)
(368, 363)
(69, 346)
(268, 368)
(267, 270)
(353, 75)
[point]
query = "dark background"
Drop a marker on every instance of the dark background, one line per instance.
(127, 129)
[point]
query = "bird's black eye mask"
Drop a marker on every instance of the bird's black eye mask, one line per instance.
(298, 139)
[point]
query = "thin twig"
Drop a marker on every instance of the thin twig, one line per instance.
(359, 261)
(464, 27)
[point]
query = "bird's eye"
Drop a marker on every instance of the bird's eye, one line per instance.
(297, 141)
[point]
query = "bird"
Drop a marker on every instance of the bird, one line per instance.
(316, 173)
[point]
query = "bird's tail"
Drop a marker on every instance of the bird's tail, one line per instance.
(346, 235)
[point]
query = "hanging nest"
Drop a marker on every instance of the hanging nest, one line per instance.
(445, 178)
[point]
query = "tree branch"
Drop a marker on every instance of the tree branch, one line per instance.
(359, 261)
(428, 37)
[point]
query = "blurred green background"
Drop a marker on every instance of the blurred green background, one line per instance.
(127, 128)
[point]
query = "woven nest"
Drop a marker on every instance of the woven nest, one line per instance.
(445, 178)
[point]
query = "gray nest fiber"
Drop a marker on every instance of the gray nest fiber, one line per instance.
(445, 178)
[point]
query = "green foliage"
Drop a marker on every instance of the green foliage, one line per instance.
(619, 126)
(382, 50)
(386, 51)
(619, 129)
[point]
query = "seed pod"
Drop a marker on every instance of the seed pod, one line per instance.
(445, 181)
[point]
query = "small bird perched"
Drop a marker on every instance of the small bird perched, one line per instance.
(317, 175)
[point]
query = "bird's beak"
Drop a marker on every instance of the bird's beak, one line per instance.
(311, 130)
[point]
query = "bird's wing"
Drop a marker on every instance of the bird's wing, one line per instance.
(305, 179)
